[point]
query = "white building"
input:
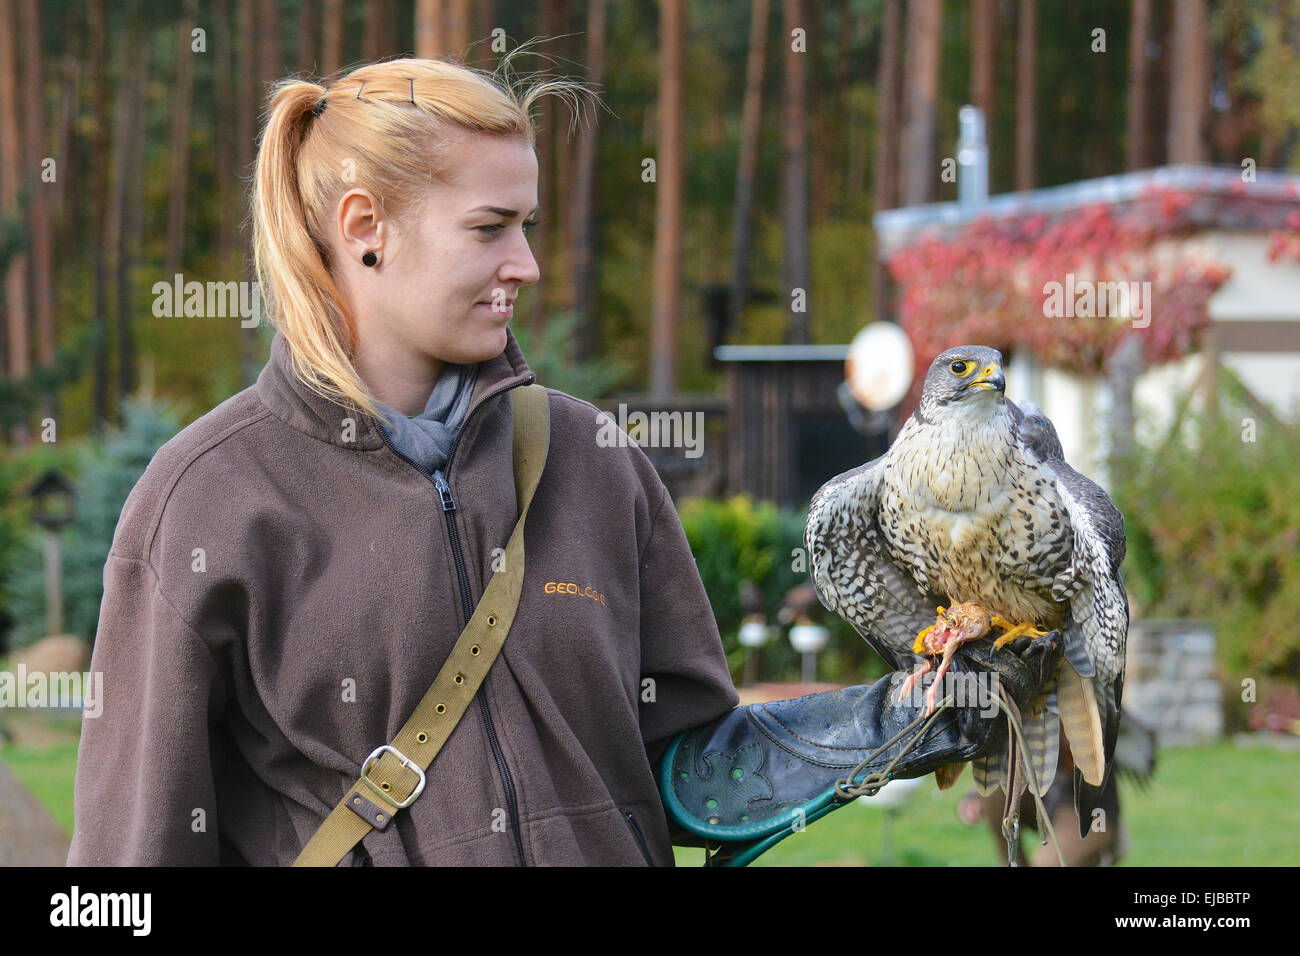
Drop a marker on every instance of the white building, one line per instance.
(1255, 314)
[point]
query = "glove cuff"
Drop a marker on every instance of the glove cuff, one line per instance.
(766, 770)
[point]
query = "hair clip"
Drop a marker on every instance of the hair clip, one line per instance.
(412, 79)
(360, 88)
(319, 107)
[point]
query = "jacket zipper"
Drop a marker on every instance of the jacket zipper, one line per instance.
(449, 509)
(640, 838)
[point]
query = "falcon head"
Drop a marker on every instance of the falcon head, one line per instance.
(968, 374)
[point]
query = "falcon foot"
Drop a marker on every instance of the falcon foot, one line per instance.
(911, 681)
(1015, 631)
(953, 627)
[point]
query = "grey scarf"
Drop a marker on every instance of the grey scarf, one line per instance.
(426, 439)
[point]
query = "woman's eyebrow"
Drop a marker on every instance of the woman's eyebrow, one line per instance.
(507, 213)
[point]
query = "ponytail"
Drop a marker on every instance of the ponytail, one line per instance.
(386, 124)
(301, 296)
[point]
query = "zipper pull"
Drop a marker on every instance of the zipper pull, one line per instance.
(444, 492)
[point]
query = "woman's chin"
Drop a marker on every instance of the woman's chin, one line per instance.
(487, 345)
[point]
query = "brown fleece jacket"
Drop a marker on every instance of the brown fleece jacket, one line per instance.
(283, 588)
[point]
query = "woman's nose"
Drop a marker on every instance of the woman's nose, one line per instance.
(522, 266)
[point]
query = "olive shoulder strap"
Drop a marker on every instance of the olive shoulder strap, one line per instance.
(392, 777)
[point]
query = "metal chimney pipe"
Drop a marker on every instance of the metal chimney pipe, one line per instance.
(972, 158)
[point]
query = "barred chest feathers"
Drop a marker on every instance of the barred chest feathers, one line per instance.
(970, 516)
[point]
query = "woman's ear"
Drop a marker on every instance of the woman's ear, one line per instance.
(362, 225)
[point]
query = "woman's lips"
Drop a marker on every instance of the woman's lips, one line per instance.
(507, 312)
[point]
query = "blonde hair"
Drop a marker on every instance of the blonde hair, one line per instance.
(385, 124)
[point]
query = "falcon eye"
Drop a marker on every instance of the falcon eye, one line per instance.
(959, 368)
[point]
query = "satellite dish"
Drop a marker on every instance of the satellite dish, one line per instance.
(879, 366)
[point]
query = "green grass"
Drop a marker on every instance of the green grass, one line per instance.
(1218, 805)
(49, 773)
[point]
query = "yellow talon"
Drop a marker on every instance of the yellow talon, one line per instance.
(1014, 631)
(918, 646)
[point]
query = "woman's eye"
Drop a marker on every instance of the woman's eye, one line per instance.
(492, 230)
(958, 368)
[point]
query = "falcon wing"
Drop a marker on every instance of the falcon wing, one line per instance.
(853, 572)
(1089, 693)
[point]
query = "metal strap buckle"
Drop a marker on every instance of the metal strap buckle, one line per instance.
(406, 762)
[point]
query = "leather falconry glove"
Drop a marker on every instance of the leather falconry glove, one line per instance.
(747, 780)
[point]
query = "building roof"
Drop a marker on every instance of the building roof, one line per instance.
(781, 353)
(896, 228)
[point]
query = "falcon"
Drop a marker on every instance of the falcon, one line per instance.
(973, 513)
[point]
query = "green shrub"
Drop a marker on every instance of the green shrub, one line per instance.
(739, 540)
(549, 355)
(103, 472)
(1213, 522)
(19, 470)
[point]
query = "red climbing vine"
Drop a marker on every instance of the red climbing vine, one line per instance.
(1071, 287)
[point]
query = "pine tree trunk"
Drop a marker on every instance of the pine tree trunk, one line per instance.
(307, 27)
(1026, 87)
(226, 117)
(585, 283)
(250, 95)
(1135, 123)
(271, 59)
(751, 125)
(15, 281)
(332, 35)
(794, 177)
(885, 189)
(917, 156)
(457, 27)
(249, 92)
(429, 37)
(814, 110)
(484, 23)
(983, 28)
(100, 184)
(130, 193)
(182, 93)
(71, 217)
(563, 235)
(548, 235)
(1190, 90)
(839, 120)
(37, 146)
(375, 43)
(668, 202)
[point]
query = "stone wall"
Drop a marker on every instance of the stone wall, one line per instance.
(1170, 683)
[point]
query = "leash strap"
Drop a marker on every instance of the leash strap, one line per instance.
(392, 777)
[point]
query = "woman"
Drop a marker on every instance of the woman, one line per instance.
(293, 569)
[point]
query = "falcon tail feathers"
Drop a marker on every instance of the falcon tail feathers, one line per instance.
(987, 771)
(1087, 800)
(947, 775)
(1082, 721)
(1043, 742)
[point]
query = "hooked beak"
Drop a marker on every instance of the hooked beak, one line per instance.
(990, 378)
